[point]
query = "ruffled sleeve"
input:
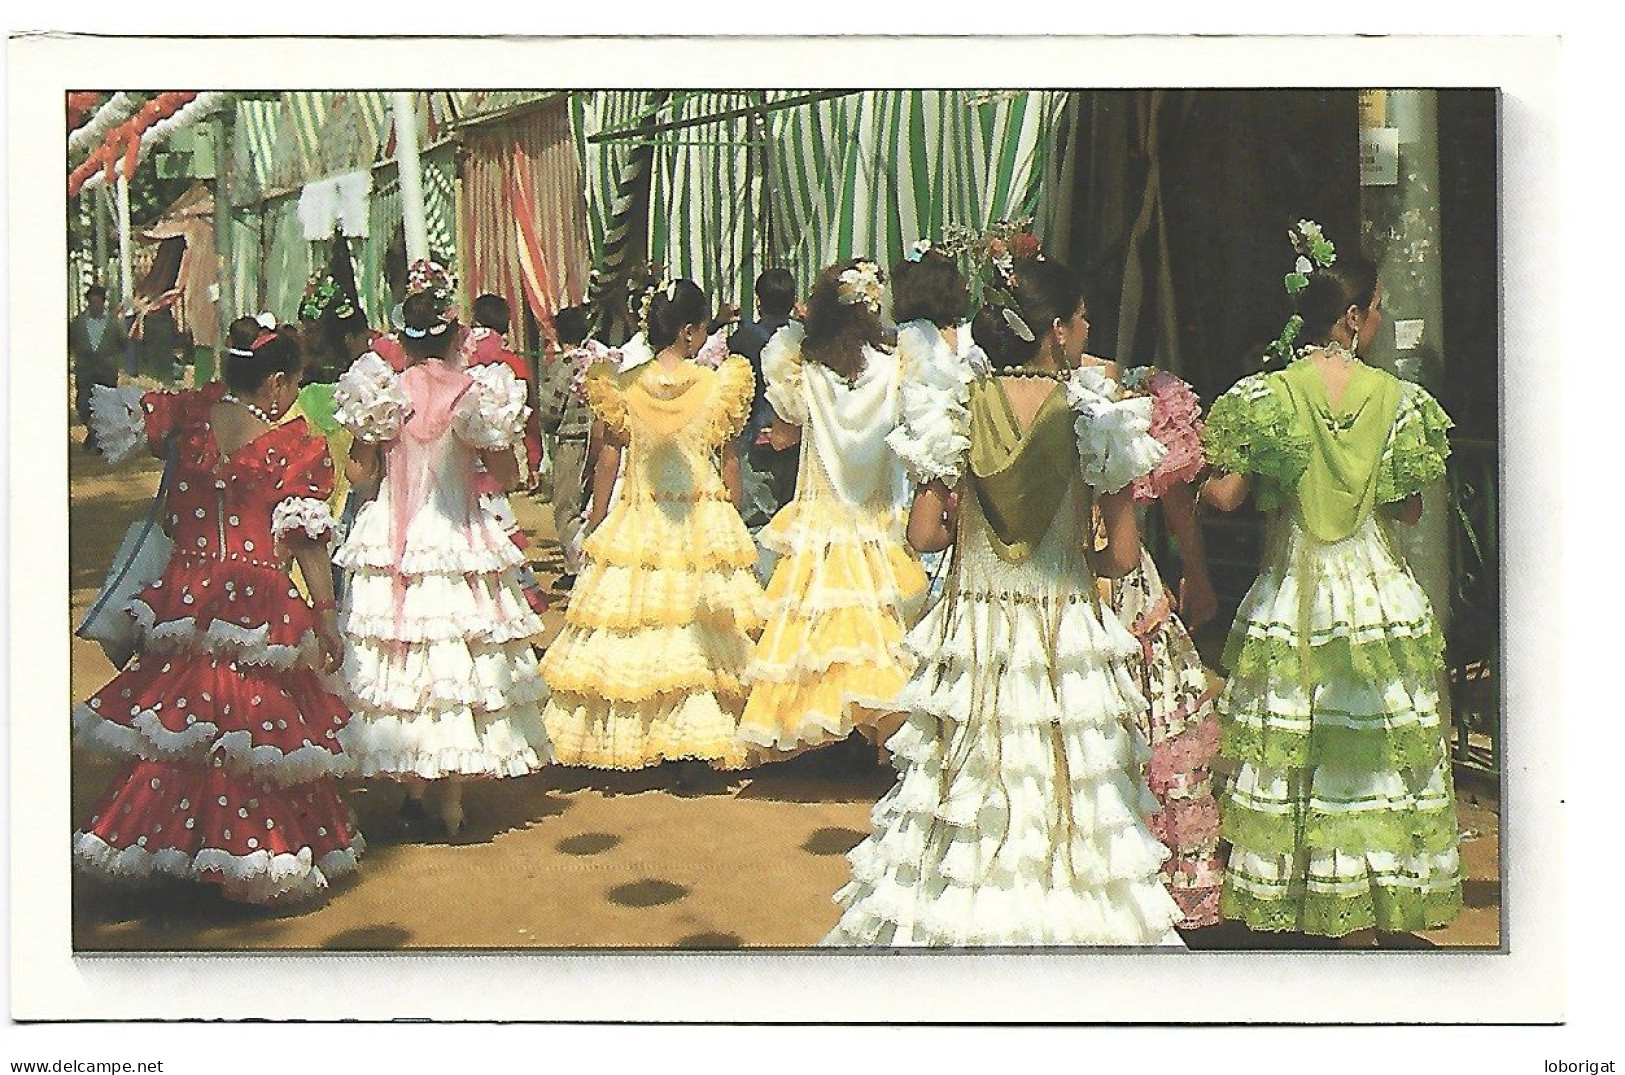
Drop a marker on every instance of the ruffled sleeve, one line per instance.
(1250, 430)
(369, 400)
(782, 369)
(604, 395)
(304, 487)
(122, 418)
(1115, 445)
(932, 437)
(714, 352)
(492, 414)
(1417, 447)
(1176, 423)
(730, 400)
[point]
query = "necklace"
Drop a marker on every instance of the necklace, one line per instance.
(1029, 371)
(1335, 351)
(251, 408)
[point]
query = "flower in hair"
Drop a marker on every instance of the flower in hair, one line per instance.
(861, 284)
(432, 277)
(658, 281)
(1017, 325)
(918, 250)
(1314, 250)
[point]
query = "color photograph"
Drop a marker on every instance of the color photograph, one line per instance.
(800, 521)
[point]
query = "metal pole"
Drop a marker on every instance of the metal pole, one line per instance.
(413, 217)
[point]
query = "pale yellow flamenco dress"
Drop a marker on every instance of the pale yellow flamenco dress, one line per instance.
(847, 587)
(649, 665)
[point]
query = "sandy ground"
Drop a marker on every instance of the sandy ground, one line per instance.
(568, 858)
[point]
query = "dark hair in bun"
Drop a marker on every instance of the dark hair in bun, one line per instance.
(670, 308)
(426, 333)
(1044, 292)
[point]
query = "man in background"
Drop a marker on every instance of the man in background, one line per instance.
(775, 298)
(565, 415)
(96, 341)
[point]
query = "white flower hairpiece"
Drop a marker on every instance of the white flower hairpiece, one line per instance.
(1314, 250)
(861, 283)
(1017, 325)
(266, 320)
(667, 284)
(918, 250)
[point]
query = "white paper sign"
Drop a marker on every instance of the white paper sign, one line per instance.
(1407, 334)
(1379, 156)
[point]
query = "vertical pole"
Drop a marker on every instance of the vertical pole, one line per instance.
(99, 204)
(413, 217)
(1401, 223)
(126, 288)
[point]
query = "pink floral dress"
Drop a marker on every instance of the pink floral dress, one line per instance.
(1181, 723)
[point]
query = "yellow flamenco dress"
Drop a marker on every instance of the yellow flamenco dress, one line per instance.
(650, 663)
(846, 587)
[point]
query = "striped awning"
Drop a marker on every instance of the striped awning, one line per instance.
(866, 173)
(255, 148)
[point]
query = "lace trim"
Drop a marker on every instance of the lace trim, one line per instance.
(1393, 911)
(1413, 747)
(369, 400)
(932, 439)
(1115, 445)
(735, 389)
(781, 368)
(603, 733)
(247, 645)
(255, 878)
(146, 737)
(1399, 830)
(438, 764)
(1176, 423)
(604, 397)
(1415, 454)
(116, 421)
(496, 417)
(1410, 659)
(307, 514)
(1251, 431)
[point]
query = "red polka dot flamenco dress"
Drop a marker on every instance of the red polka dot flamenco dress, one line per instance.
(230, 738)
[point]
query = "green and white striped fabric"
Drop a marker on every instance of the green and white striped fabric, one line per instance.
(308, 108)
(383, 228)
(590, 114)
(440, 201)
(867, 173)
(704, 196)
(871, 173)
(254, 151)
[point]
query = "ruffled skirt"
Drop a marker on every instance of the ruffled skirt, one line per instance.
(831, 656)
(650, 664)
(1342, 815)
(1019, 815)
(438, 669)
(1183, 730)
(230, 743)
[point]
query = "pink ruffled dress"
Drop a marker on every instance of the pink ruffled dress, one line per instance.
(438, 669)
(1181, 723)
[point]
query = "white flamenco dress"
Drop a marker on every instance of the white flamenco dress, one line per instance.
(1019, 815)
(437, 666)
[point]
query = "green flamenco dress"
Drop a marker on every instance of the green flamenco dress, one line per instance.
(1341, 816)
